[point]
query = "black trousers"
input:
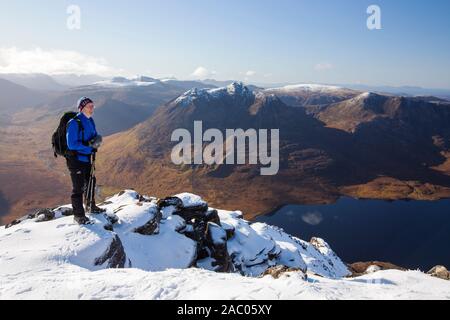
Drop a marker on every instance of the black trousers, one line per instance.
(79, 173)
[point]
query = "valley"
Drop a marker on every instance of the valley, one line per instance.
(347, 143)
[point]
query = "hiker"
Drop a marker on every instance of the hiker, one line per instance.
(82, 143)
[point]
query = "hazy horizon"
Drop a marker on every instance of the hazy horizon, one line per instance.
(253, 41)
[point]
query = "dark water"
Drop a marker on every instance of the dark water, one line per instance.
(412, 234)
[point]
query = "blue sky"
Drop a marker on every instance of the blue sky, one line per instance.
(321, 41)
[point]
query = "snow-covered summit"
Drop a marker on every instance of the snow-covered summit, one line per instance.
(125, 82)
(233, 90)
(177, 232)
(178, 247)
(306, 87)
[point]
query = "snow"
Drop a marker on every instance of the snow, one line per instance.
(124, 82)
(233, 89)
(372, 269)
(168, 79)
(365, 95)
(198, 284)
(305, 87)
(190, 200)
(218, 235)
(56, 260)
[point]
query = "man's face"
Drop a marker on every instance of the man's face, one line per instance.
(89, 109)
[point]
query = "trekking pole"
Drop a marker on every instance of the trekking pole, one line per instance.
(92, 179)
(90, 192)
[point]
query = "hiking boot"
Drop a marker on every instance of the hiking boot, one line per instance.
(82, 220)
(96, 210)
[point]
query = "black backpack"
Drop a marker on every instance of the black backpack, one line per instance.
(59, 141)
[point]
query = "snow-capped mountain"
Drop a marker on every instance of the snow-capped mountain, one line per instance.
(310, 95)
(149, 248)
(306, 87)
(124, 82)
(235, 90)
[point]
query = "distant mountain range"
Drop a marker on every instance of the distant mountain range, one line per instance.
(61, 82)
(53, 83)
(15, 97)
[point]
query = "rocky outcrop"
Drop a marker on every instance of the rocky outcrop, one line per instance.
(278, 271)
(151, 227)
(202, 225)
(216, 242)
(114, 257)
(181, 232)
(43, 215)
(361, 268)
(440, 272)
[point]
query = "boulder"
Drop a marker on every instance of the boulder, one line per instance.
(216, 242)
(151, 227)
(43, 215)
(277, 271)
(47, 214)
(229, 229)
(112, 218)
(170, 201)
(188, 214)
(13, 223)
(440, 272)
(361, 268)
(212, 215)
(143, 198)
(114, 257)
(63, 211)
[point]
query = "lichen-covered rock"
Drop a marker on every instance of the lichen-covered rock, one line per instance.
(45, 212)
(440, 272)
(43, 215)
(277, 271)
(63, 211)
(361, 268)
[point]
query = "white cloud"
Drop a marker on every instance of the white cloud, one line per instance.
(247, 74)
(38, 60)
(323, 66)
(202, 73)
(312, 218)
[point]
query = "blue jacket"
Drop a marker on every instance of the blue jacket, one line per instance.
(75, 136)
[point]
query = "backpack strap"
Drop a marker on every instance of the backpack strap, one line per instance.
(80, 128)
